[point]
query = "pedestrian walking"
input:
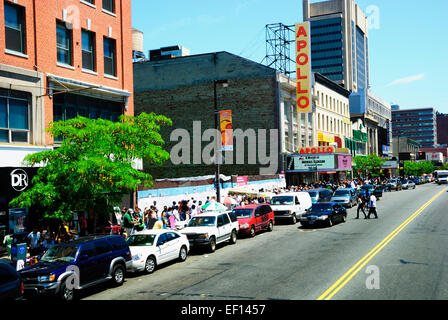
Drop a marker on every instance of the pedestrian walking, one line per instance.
(361, 205)
(372, 207)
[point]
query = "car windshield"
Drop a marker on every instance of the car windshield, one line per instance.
(368, 187)
(405, 181)
(393, 181)
(321, 207)
(243, 213)
(202, 222)
(139, 240)
(60, 253)
(282, 200)
(339, 193)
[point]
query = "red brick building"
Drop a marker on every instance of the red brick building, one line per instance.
(60, 59)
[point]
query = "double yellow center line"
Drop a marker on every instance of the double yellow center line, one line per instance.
(338, 285)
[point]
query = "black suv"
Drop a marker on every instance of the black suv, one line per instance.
(78, 264)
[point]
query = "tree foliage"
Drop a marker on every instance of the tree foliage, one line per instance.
(368, 165)
(93, 167)
(412, 168)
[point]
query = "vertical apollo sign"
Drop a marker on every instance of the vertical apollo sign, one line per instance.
(303, 65)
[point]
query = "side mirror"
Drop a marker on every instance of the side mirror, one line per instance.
(220, 224)
(161, 243)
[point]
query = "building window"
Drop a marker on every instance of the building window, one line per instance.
(109, 56)
(64, 43)
(88, 50)
(109, 5)
(14, 118)
(68, 106)
(14, 28)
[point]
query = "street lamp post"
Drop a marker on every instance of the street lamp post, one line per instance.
(225, 84)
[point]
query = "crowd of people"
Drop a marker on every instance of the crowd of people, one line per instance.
(179, 214)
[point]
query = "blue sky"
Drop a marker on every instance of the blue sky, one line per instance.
(408, 44)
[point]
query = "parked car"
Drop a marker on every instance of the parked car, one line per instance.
(320, 195)
(324, 213)
(408, 184)
(211, 228)
(346, 197)
(290, 206)
(86, 261)
(11, 285)
(254, 218)
(417, 180)
(395, 184)
(368, 189)
(151, 248)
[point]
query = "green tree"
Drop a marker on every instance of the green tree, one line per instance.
(93, 168)
(368, 165)
(413, 168)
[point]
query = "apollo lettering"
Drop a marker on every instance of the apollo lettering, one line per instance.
(303, 68)
(317, 150)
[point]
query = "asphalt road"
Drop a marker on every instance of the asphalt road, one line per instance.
(291, 263)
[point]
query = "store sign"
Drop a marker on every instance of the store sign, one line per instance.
(241, 181)
(344, 162)
(19, 180)
(311, 163)
(324, 138)
(317, 150)
(386, 150)
(303, 67)
(390, 165)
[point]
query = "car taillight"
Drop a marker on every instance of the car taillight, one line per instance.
(21, 287)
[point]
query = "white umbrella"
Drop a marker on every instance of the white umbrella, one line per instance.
(214, 206)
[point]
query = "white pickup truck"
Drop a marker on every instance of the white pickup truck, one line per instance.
(290, 205)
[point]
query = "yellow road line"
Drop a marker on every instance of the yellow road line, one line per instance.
(338, 285)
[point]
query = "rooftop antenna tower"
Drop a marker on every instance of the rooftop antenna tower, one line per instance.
(278, 47)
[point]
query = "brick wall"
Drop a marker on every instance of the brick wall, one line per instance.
(251, 95)
(40, 31)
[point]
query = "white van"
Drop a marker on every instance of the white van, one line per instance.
(290, 205)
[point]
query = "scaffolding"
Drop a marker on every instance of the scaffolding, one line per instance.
(278, 47)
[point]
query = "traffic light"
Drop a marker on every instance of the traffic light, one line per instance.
(421, 156)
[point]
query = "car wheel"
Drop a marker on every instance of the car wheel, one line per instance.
(233, 237)
(66, 293)
(252, 232)
(212, 244)
(183, 254)
(150, 265)
(118, 275)
(270, 226)
(330, 222)
(294, 219)
(344, 218)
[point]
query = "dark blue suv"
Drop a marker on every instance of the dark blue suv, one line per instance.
(78, 264)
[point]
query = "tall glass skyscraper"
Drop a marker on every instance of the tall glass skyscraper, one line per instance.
(339, 42)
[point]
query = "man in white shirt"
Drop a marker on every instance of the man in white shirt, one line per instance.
(34, 242)
(372, 206)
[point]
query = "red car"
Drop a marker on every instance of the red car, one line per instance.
(253, 218)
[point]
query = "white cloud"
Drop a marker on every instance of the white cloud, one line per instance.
(406, 80)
